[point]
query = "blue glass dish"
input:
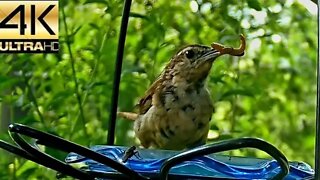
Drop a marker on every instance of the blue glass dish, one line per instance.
(148, 162)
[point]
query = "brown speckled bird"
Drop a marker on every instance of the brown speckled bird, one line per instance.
(176, 110)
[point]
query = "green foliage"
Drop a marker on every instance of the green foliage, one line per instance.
(254, 4)
(269, 93)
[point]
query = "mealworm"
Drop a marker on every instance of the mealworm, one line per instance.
(230, 50)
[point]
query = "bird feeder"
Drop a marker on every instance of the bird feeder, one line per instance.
(119, 162)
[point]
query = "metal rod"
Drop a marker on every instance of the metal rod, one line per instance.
(17, 151)
(117, 73)
(51, 162)
(317, 146)
(59, 143)
(226, 146)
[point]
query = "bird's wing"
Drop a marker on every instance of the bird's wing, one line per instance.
(146, 101)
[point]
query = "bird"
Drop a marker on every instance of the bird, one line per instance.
(176, 110)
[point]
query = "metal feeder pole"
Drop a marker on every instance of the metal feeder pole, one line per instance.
(117, 73)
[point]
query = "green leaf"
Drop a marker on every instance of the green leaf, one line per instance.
(254, 4)
(137, 15)
(59, 98)
(7, 82)
(96, 1)
(75, 31)
(27, 168)
(218, 79)
(241, 92)
(95, 26)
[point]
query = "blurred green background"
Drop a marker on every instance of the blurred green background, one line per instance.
(269, 93)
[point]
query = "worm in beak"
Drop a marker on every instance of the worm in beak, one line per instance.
(230, 50)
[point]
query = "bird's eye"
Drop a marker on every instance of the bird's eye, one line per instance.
(189, 54)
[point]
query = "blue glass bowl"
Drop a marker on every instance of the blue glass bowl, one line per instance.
(148, 162)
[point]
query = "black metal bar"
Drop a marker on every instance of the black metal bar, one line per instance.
(51, 162)
(317, 145)
(17, 151)
(117, 73)
(22, 153)
(226, 146)
(67, 146)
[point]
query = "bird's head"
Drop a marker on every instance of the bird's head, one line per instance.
(193, 62)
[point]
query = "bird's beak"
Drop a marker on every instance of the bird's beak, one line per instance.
(210, 55)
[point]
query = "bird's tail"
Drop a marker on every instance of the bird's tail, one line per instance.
(128, 115)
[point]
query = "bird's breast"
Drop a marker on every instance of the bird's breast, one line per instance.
(180, 119)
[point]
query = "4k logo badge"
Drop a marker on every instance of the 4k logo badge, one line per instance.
(29, 26)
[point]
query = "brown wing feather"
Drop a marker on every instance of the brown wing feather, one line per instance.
(146, 101)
